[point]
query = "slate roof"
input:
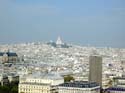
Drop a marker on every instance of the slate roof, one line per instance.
(8, 53)
(1, 53)
(116, 89)
(79, 84)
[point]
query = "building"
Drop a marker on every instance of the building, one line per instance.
(58, 44)
(115, 90)
(13, 78)
(3, 79)
(6, 79)
(79, 87)
(40, 83)
(95, 69)
(8, 57)
(118, 86)
(119, 81)
(59, 41)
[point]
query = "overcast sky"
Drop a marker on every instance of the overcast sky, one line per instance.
(93, 22)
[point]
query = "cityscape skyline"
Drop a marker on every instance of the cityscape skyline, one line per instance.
(98, 23)
(62, 46)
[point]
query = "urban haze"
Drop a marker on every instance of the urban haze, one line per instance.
(62, 46)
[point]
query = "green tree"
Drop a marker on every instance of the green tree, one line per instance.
(14, 89)
(9, 88)
(68, 78)
(4, 89)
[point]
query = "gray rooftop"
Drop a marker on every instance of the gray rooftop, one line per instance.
(79, 84)
(8, 53)
(50, 75)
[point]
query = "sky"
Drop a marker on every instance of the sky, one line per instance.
(86, 22)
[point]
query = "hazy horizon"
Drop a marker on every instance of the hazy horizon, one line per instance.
(95, 22)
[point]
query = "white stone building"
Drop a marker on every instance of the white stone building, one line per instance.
(40, 83)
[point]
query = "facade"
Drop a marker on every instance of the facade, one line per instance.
(95, 69)
(13, 78)
(119, 81)
(36, 88)
(79, 87)
(118, 85)
(8, 57)
(8, 78)
(3, 79)
(40, 83)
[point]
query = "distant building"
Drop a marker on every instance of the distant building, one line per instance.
(40, 83)
(95, 69)
(59, 43)
(8, 57)
(79, 87)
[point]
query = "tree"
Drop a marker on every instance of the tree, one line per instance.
(4, 89)
(68, 78)
(9, 88)
(14, 89)
(110, 83)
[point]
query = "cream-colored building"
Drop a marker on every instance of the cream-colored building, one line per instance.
(118, 85)
(79, 87)
(40, 83)
(8, 57)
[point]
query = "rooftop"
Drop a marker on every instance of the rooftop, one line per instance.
(8, 53)
(32, 83)
(116, 89)
(80, 84)
(50, 75)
